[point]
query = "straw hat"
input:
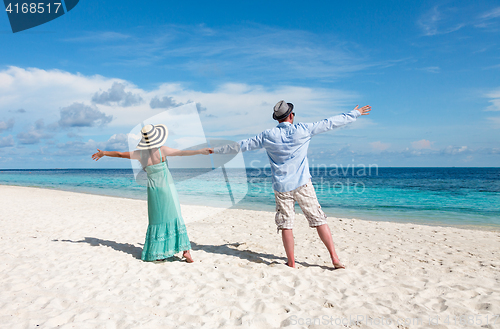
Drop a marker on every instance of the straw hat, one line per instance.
(153, 137)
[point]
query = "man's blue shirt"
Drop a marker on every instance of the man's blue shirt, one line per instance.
(286, 147)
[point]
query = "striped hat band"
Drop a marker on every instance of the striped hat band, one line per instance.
(152, 137)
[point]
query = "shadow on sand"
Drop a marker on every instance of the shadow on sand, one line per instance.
(123, 247)
(229, 249)
(252, 256)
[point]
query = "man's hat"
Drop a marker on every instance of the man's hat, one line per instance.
(282, 110)
(152, 137)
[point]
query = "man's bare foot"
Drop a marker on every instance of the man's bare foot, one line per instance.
(291, 265)
(186, 254)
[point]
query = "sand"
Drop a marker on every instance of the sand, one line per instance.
(71, 260)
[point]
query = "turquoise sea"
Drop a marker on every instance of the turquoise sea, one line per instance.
(433, 196)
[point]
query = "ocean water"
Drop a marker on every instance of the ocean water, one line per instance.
(432, 196)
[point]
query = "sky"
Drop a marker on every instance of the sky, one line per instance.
(429, 69)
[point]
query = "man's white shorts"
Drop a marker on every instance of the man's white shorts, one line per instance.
(308, 202)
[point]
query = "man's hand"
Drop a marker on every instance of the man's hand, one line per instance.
(364, 110)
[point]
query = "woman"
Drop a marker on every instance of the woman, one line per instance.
(166, 234)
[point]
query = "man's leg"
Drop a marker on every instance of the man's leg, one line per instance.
(326, 236)
(308, 202)
(285, 214)
(288, 243)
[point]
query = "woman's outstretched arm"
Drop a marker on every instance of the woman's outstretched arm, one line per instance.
(99, 154)
(174, 152)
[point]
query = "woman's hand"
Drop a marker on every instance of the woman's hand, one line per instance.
(206, 151)
(96, 156)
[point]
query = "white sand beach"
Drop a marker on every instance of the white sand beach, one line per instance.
(70, 260)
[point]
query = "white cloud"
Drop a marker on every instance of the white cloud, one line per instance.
(494, 100)
(422, 144)
(43, 92)
(429, 21)
(6, 141)
(106, 36)
(432, 153)
(255, 50)
(431, 69)
(229, 110)
(245, 109)
(81, 115)
(454, 150)
(117, 142)
(34, 134)
(438, 21)
(379, 146)
(495, 121)
(441, 20)
(77, 148)
(494, 97)
(117, 94)
(6, 125)
(488, 20)
(165, 103)
(493, 13)
(200, 108)
(493, 67)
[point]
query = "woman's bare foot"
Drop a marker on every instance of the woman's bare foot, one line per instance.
(186, 254)
(291, 265)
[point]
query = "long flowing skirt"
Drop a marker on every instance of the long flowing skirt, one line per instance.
(166, 234)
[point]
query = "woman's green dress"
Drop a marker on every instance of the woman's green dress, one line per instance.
(166, 233)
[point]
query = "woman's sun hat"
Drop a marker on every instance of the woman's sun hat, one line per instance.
(153, 137)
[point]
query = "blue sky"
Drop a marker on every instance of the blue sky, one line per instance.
(429, 69)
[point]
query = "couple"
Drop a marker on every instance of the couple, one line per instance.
(286, 146)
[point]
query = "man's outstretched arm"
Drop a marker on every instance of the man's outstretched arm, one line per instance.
(338, 120)
(249, 144)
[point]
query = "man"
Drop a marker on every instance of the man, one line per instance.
(286, 146)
